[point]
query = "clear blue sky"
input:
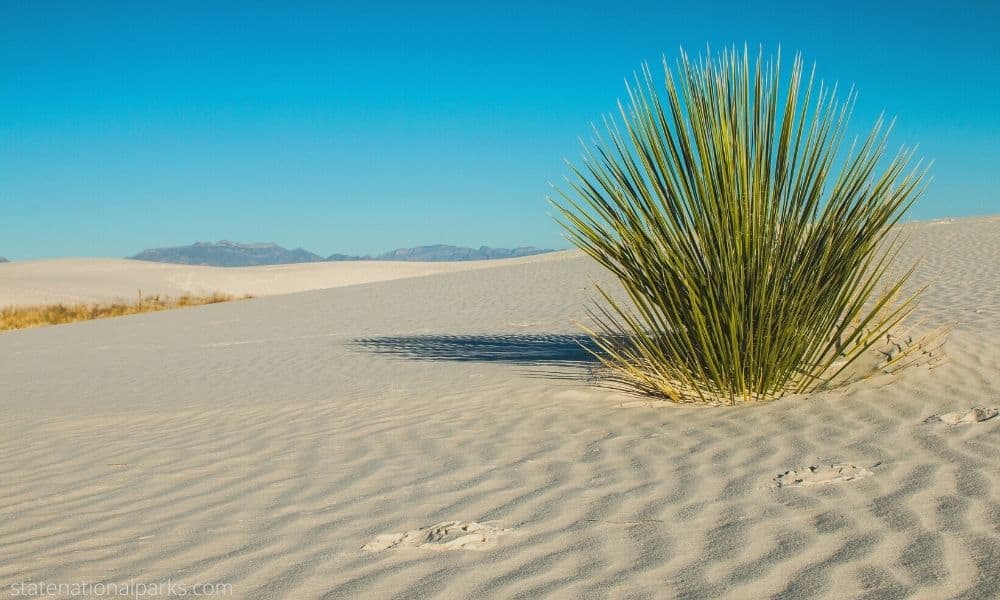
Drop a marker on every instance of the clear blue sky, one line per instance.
(357, 127)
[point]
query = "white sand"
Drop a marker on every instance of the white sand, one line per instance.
(260, 444)
(111, 279)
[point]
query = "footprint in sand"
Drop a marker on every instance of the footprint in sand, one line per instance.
(449, 535)
(821, 475)
(964, 417)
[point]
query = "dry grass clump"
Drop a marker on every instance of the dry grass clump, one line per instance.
(754, 249)
(39, 315)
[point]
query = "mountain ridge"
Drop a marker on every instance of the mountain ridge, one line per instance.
(225, 253)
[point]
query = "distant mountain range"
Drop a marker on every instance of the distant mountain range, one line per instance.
(228, 254)
(232, 254)
(441, 252)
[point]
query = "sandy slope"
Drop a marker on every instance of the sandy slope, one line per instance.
(111, 279)
(265, 443)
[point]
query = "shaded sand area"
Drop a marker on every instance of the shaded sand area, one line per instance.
(438, 437)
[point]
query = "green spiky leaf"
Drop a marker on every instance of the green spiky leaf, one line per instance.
(750, 247)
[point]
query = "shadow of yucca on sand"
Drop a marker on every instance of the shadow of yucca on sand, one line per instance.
(40, 315)
(543, 349)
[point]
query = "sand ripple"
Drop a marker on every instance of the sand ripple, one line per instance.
(271, 466)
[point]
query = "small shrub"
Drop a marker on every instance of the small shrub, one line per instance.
(753, 251)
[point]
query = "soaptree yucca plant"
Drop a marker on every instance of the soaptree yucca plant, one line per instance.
(754, 246)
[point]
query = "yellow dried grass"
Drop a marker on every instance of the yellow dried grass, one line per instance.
(40, 315)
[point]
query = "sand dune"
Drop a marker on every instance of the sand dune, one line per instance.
(347, 442)
(109, 279)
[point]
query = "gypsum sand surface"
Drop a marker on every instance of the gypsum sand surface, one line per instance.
(266, 443)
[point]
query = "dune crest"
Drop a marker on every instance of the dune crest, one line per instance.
(113, 280)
